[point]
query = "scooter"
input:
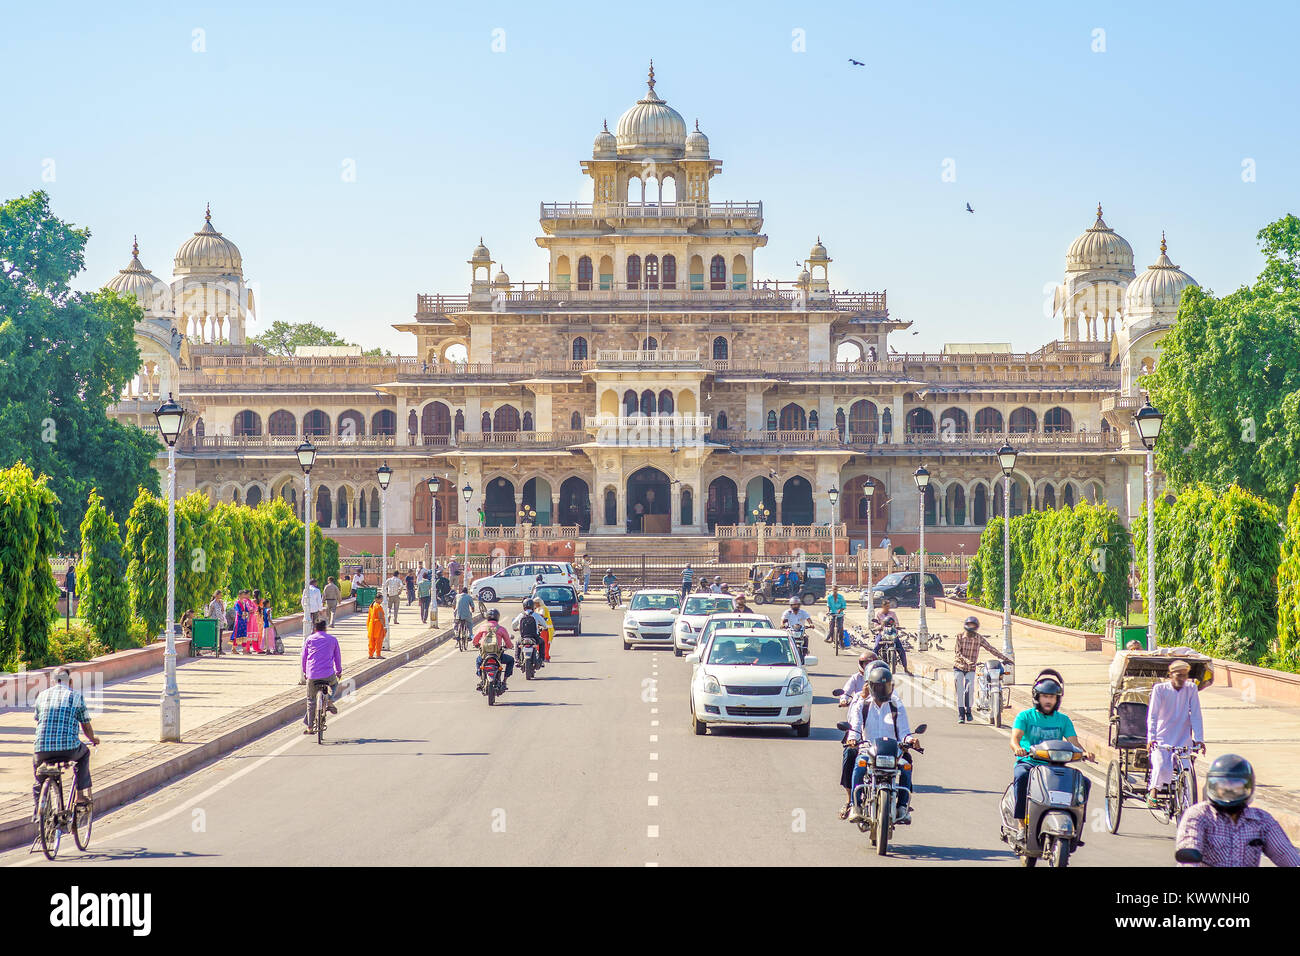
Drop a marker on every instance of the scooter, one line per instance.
(885, 759)
(492, 684)
(990, 694)
(1057, 804)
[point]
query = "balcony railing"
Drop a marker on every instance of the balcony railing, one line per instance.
(551, 211)
(544, 532)
(762, 295)
(1020, 440)
(285, 442)
(778, 438)
(521, 439)
(780, 532)
(643, 431)
(647, 357)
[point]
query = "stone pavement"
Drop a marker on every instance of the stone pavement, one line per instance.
(1265, 732)
(126, 717)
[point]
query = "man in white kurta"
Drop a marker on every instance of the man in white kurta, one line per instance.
(1173, 720)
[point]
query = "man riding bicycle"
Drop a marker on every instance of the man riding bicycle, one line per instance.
(60, 716)
(464, 609)
(835, 607)
(322, 666)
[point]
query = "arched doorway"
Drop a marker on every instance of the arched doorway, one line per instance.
(647, 501)
(854, 505)
(688, 507)
(435, 423)
(575, 504)
(499, 504)
(537, 495)
(760, 495)
(797, 502)
(723, 504)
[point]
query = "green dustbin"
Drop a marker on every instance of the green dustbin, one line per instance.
(1133, 632)
(206, 636)
(366, 597)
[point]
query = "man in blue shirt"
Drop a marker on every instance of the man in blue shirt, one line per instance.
(60, 714)
(1044, 721)
(688, 575)
(835, 605)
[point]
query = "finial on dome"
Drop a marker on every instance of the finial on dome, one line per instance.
(207, 215)
(135, 247)
(1163, 247)
(697, 125)
(652, 76)
(604, 125)
(1099, 210)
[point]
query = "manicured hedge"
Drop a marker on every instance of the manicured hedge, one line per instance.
(102, 593)
(1288, 589)
(30, 533)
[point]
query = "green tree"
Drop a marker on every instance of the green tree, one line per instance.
(146, 569)
(64, 358)
(101, 577)
(283, 337)
(1288, 589)
(29, 536)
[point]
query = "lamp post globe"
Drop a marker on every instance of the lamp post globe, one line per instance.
(1148, 421)
(169, 415)
(1007, 458)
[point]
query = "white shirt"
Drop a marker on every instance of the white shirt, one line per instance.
(799, 618)
(312, 600)
(854, 687)
(393, 586)
(356, 581)
(869, 720)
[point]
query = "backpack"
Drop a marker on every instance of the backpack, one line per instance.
(528, 627)
(490, 644)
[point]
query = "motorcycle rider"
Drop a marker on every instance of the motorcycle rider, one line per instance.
(877, 712)
(741, 607)
(492, 625)
(965, 656)
(850, 693)
(796, 617)
(529, 624)
(609, 580)
(886, 617)
(1043, 721)
(1225, 829)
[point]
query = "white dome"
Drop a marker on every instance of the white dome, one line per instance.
(1160, 286)
(697, 144)
(208, 252)
(136, 280)
(651, 123)
(818, 251)
(605, 146)
(1101, 247)
(502, 281)
(480, 253)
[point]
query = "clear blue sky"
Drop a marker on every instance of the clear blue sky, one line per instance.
(451, 139)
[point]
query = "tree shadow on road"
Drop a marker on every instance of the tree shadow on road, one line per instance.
(948, 854)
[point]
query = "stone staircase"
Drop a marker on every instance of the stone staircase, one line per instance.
(698, 549)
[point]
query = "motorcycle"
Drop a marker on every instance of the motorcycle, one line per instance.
(614, 595)
(492, 684)
(888, 653)
(530, 658)
(799, 635)
(1057, 805)
(885, 759)
(990, 691)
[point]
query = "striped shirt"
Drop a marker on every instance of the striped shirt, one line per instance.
(60, 712)
(687, 575)
(967, 651)
(1225, 842)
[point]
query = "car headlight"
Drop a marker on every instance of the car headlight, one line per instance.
(797, 686)
(686, 628)
(711, 685)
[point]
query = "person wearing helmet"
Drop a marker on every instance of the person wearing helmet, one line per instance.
(716, 586)
(796, 617)
(886, 617)
(1043, 721)
(965, 655)
(1225, 829)
(492, 630)
(877, 712)
(1173, 720)
(851, 691)
(741, 606)
(531, 625)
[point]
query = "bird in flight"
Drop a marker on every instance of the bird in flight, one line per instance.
(968, 208)
(856, 62)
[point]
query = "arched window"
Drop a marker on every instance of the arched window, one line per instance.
(813, 421)
(649, 344)
(282, 423)
(652, 272)
(1068, 496)
(579, 349)
(486, 423)
(840, 422)
(717, 273)
(771, 420)
(352, 425)
(316, 423)
(528, 421)
(435, 423)
(342, 511)
(720, 349)
(611, 507)
(666, 404)
(1023, 420)
(1057, 419)
(629, 403)
(247, 423)
(254, 497)
(384, 422)
(584, 273)
(634, 271)
(793, 418)
(647, 402)
(199, 429)
(954, 422)
(920, 421)
(505, 419)
(459, 426)
(374, 508)
(575, 422)
(722, 421)
(988, 420)
(862, 420)
(323, 510)
(1047, 498)
(670, 272)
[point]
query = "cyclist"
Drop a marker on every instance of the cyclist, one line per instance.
(464, 609)
(493, 626)
(1173, 720)
(322, 666)
(835, 606)
(1225, 829)
(61, 717)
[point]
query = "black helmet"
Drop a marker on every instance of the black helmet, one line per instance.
(971, 623)
(528, 604)
(1048, 684)
(493, 614)
(880, 681)
(1230, 784)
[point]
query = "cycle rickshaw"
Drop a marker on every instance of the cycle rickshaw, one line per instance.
(1128, 778)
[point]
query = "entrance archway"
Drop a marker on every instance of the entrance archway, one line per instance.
(797, 502)
(648, 493)
(537, 495)
(723, 504)
(760, 495)
(575, 504)
(499, 504)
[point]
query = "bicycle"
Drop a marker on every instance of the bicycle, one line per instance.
(53, 818)
(462, 633)
(324, 697)
(1171, 806)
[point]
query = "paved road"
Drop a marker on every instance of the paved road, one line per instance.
(594, 763)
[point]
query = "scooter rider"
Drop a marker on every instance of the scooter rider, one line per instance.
(886, 617)
(877, 712)
(848, 695)
(1225, 829)
(1043, 721)
(493, 625)
(796, 617)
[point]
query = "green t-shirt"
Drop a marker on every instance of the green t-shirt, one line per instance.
(1036, 728)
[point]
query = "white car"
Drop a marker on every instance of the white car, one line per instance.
(650, 616)
(751, 675)
(518, 580)
(735, 619)
(695, 611)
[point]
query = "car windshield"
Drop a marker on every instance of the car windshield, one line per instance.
(756, 651)
(891, 580)
(555, 595)
(713, 625)
(655, 602)
(708, 605)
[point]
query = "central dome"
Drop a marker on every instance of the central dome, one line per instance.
(208, 252)
(651, 123)
(1100, 248)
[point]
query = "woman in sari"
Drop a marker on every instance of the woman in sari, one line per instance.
(255, 623)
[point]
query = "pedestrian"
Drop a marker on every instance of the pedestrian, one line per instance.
(217, 609)
(70, 583)
(254, 645)
(424, 588)
(358, 581)
(586, 575)
(688, 575)
(964, 657)
(269, 635)
(332, 596)
(313, 604)
(453, 573)
(239, 635)
(376, 630)
(393, 595)
(482, 516)
(410, 588)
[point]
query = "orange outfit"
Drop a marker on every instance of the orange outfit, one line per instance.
(376, 627)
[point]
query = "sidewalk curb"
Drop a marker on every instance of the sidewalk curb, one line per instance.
(1093, 736)
(124, 780)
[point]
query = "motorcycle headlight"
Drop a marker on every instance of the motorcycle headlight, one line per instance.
(797, 686)
(711, 685)
(887, 761)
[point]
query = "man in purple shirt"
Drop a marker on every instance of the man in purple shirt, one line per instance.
(322, 663)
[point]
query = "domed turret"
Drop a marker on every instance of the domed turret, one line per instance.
(1159, 288)
(480, 253)
(605, 146)
(152, 294)
(208, 252)
(697, 144)
(1101, 247)
(651, 124)
(502, 281)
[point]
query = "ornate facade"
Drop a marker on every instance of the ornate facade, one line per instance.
(651, 383)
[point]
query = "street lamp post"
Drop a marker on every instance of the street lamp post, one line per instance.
(385, 475)
(433, 484)
(468, 493)
(760, 518)
(922, 482)
(1007, 459)
(834, 495)
(868, 492)
(527, 520)
(306, 458)
(170, 416)
(1148, 421)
